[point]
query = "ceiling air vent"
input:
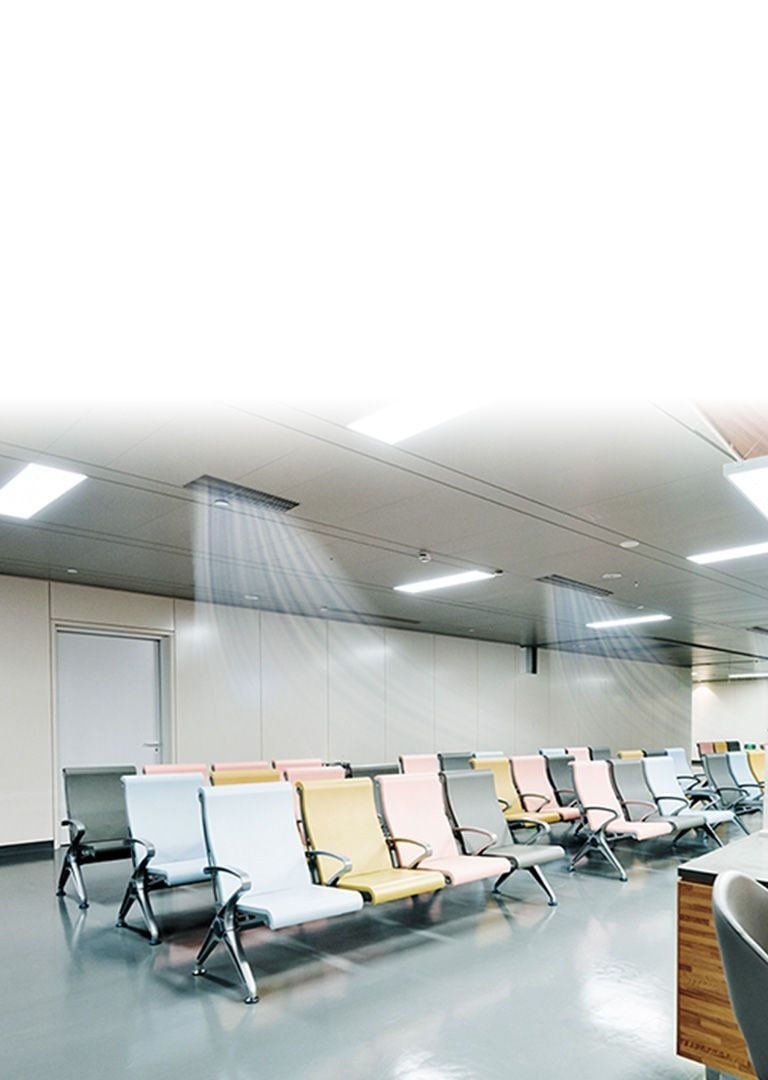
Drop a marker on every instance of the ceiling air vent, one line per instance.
(213, 488)
(759, 629)
(578, 586)
(369, 617)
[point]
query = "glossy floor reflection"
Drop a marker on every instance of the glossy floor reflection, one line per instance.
(465, 988)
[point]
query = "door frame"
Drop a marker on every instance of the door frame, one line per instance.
(166, 702)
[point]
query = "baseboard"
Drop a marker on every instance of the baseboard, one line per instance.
(37, 849)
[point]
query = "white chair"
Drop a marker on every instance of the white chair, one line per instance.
(661, 777)
(685, 774)
(738, 763)
(259, 869)
(164, 821)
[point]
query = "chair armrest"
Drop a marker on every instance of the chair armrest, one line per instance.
(346, 866)
(244, 887)
(652, 808)
(675, 798)
(533, 795)
(605, 809)
(141, 866)
(504, 804)
(492, 837)
(526, 823)
(76, 830)
(392, 841)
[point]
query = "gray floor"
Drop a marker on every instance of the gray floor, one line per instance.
(469, 987)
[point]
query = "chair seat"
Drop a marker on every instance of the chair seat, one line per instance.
(569, 813)
(641, 830)
(184, 872)
(527, 855)
(383, 885)
(550, 817)
(711, 817)
(460, 869)
(288, 907)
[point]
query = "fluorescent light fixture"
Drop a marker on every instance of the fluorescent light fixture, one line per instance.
(394, 423)
(725, 554)
(751, 478)
(631, 620)
(444, 582)
(33, 488)
(750, 675)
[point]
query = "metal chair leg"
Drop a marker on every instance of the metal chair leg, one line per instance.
(538, 876)
(232, 942)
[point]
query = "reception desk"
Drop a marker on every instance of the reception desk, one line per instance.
(707, 1031)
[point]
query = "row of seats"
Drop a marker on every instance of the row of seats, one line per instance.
(433, 832)
(722, 746)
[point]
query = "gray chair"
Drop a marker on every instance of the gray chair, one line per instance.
(640, 805)
(742, 773)
(730, 794)
(559, 769)
(483, 829)
(380, 768)
(661, 777)
(740, 909)
(456, 761)
(601, 753)
(97, 822)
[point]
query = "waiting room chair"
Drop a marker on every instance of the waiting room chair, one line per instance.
(561, 778)
(220, 777)
(661, 777)
(738, 763)
(259, 871)
(720, 746)
(414, 806)
(757, 764)
(411, 763)
(168, 769)
(340, 817)
(732, 744)
(482, 828)
(683, 768)
(455, 761)
(705, 748)
(579, 753)
(323, 773)
(630, 754)
(533, 782)
(730, 794)
(740, 911)
(371, 769)
(97, 823)
(239, 766)
(552, 751)
(512, 805)
(281, 764)
(167, 840)
(489, 753)
(601, 753)
(639, 804)
(603, 816)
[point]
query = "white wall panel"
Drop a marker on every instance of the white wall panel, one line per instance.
(410, 693)
(456, 694)
(730, 710)
(218, 683)
(26, 806)
(498, 669)
(294, 701)
(532, 727)
(110, 607)
(357, 697)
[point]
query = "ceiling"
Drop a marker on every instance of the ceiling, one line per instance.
(529, 490)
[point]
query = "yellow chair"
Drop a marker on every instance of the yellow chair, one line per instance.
(721, 746)
(508, 795)
(244, 776)
(340, 817)
(631, 755)
(757, 764)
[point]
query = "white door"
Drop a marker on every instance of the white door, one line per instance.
(108, 701)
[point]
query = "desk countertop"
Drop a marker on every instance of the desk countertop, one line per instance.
(749, 856)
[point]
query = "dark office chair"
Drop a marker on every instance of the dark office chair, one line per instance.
(97, 822)
(740, 908)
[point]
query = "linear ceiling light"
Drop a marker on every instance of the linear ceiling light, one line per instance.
(444, 582)
(725, 554)
(606, 624)
(33, 488)
(751, 478)
(750, 675)
(394, 423)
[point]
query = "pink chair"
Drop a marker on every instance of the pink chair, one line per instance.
(414, 806)
(580, 753)
(603, 816)
(163, 770)
(295, 763)
(223, 766)
(419, 763)
(535, 787)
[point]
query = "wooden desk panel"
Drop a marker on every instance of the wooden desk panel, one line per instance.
(707, 1031)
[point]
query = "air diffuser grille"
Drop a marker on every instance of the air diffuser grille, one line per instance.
(579, 586)
(214, 488)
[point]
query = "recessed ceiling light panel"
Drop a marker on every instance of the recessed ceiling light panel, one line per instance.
(751, 478)
(394, 423)
(35, 487)
(726, 554)
(750, 675)
(444, 582)
(607, 624)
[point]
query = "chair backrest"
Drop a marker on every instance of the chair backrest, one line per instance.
(732, 744)
(169, 770)
(631, 786)
(95, 797)
(741, 772)
(601, 753)
(472, 801)
(341, 816)
(239, 766)
(579, 753)
(705, 748)
(720, 776)
(552, 751)
(314, 772)
(631, 754)
(413, 806)
(661, 777)
(244, 776)
(559, 770)
(281, 764)
(412, 763)
(531, 778)
(489, 753)
(252, 827)
(757, 764)
(502, 778)
(380, 768)
(680, 758)
(165, 811)
(720, 746)
(456, 760)
(592, 781)
(740, 910)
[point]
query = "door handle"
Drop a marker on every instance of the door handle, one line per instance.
(155, 744)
